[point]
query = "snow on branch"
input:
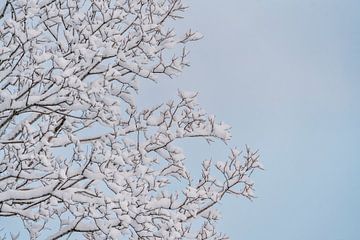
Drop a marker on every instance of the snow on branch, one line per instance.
(77, 155)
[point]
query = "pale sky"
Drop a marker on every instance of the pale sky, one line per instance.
(284, 74)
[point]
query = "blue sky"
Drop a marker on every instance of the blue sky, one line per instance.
(284, 74)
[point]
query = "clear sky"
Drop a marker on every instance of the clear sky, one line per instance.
(285, 75)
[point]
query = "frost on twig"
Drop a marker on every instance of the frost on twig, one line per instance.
(76, 153)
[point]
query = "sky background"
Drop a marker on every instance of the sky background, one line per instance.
(284, 74)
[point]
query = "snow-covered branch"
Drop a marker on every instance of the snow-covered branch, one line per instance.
(76, 152)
